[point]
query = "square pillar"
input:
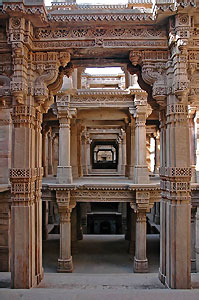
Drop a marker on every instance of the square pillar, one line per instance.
(23, 190)
(175, 268)
(141, 169)
(64, 170)
(65, 264)
(141, 207)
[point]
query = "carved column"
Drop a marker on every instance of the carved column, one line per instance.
(141, 207)
(84, 154)
(50, 152)
(44, 152)
(23, 181)
(132, 149)
(74, 149)
(141, 170)
(119, 167)
(163, 155)
(64, 170)
(79, 150)
(38, 200)
(89, 155)
(123, 153)
(65, 264)
(128, 149)
(175, 185)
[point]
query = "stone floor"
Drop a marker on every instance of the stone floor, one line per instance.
(102, 270)
(101, 180)
(101, 254)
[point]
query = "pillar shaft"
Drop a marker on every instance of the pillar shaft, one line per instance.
(44, 152)
(50, 153)
(141, 170)
(140, 260)
(65, 264)
(64, 170)
(73, 152)
(176, 206)
(23, 180)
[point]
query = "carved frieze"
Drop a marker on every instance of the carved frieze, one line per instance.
(102, 195)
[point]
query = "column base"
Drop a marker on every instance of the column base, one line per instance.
(161, 277)
(64, 174)
(141, 174)
(140, 265)
(65, 265)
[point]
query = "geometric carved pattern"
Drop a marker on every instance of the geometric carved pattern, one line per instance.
(22, 173)
(175, 172)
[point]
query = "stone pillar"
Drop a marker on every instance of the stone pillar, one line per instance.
(84, 154)
(197, 240)
(119, 166)
(89, 155)
(140, 259)
(23, 181)
(73, 152)
(65, 264)
(141, 170)
(79, 150)
(176, 203)
(44, 151)
(50, 152)
(64, 170)
(163, 152)
(157, 152)
(123, 153)
(141, 207)
(79, 222)
(132, 149)
(128, 149)
(38, 201)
